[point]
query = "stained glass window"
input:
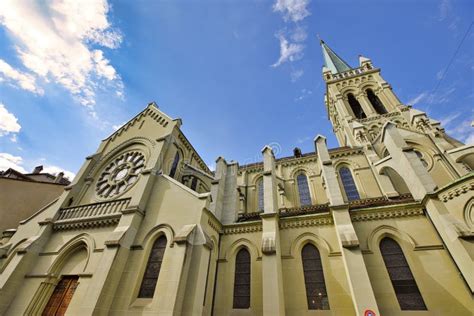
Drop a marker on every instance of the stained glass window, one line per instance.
(303, 189)
(174, 167)
(348, 183)
(316, 293)
(408, 295)
(260, 194)
(242, 279)
(152, 271)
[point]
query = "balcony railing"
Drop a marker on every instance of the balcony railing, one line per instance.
(91, 215)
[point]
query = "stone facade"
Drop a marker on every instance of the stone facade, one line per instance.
(396, 175)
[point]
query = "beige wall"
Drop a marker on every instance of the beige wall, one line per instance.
(21, 199)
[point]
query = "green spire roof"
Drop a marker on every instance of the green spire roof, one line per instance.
(332, 61)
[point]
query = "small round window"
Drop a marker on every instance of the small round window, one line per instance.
(120, 174)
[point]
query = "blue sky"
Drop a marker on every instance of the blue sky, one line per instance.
(241, 74)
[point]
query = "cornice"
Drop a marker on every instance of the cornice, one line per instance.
(457, 188)
(377, 214)
(242, 228)
(306, 221)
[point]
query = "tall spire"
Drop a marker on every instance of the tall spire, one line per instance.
(332, 61)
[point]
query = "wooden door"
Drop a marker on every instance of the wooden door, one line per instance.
(62, 295)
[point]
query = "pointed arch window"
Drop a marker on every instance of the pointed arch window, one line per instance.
(406, 290)
(174, 166)
(422, 158)
(375, 101)
(194, 183)
(242, 279)
(152, 271)
(316, 292)
(303, 189)
(356, 107)
(348, 184)
(260, 204)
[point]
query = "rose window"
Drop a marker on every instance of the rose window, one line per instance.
(120, 174)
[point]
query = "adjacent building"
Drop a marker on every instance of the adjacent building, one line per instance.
(23, 194)
(382, 225)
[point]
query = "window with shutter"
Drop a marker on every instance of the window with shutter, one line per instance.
(316, 293)
(406, 290)
(242, 279)
(152, 271)
(62, 296)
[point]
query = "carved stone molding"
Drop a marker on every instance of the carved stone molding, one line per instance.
(457, 191)
(242, 228)
(297, 222)
(370, 215)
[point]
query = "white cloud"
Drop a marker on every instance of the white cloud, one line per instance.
(299, 34)
(288, 51)
(449, 119)
(417, 99)
(430, 98)
(52, 39)
(8, 123)
(294, 10)
(10, 161)
(55, 170)
(292, 40)
(445, 8)
(15, 77)
(296, 74)
(463, 131)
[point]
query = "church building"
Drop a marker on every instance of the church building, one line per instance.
(381, 225)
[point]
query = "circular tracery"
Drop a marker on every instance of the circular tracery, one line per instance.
(120, 174)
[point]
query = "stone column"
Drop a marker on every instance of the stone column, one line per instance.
(361, 290)
(366, 105)
(421, 185)
(273, 296)
(106, 277)
(218, 188)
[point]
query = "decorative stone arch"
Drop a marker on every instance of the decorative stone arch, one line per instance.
(296, 193)
(144, 143)
(308, 237)
(347, 163)
(426, 152)
(467, 159)
(468, 214)
(240, 243)
(349, 89)
(397, 180)
(374, 130)
(298, 170)
(352, 166)
(372, 85)
(256, 179)
(79, 242)
(155, 233)
(382, 231)
(147, 245)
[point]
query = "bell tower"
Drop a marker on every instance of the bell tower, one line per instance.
(358, 99)
(360, 104)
